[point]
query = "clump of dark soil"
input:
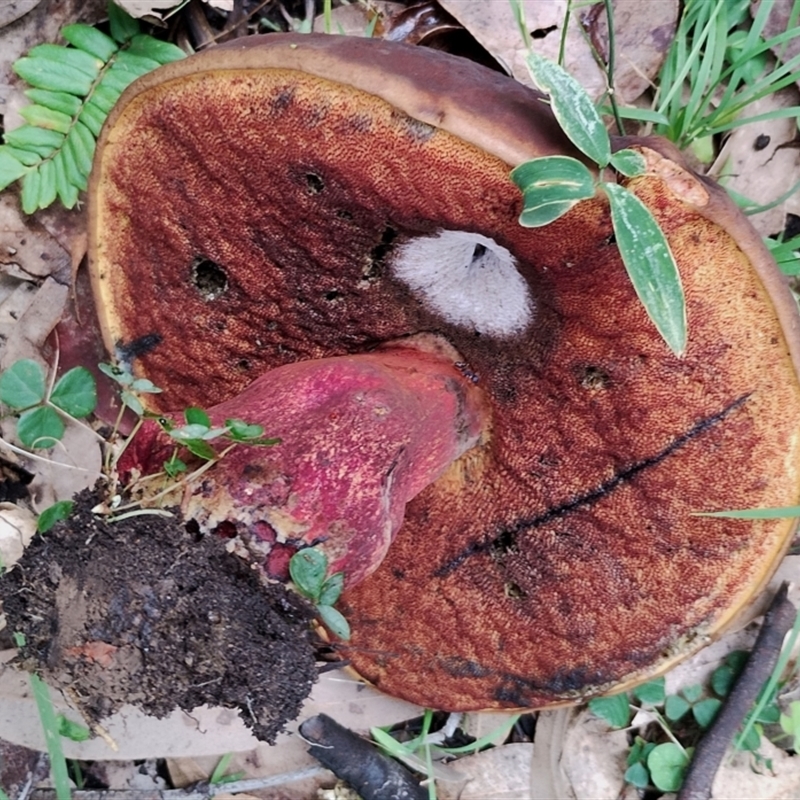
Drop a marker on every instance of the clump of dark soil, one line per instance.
(141, 611)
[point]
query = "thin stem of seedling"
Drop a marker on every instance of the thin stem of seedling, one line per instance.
(562, 42)
(47, 715)
(612, 96)
(201, 470)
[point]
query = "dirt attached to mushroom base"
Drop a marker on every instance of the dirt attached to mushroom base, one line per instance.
(143, 612)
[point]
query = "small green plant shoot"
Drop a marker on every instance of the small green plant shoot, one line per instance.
(308, 569)
(41, 408)
(75, 87)
(551, 186)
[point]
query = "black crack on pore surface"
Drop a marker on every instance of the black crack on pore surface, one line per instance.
(506, 539)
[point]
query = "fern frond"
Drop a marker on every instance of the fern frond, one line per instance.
(74, 87)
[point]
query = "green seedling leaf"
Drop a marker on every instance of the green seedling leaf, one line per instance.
(200, 449)
(43, 73)
(705, 711)
(57, 101)
(334, 621)
(615, 710)
(132, 402)
(75, 393)
(194, 430)
(54, 513)
(40, 428)
(174, 466)
(46, 118)
(539, 216)
(573, 109)
(675, 707)
(332, 589)
(753, 513)
(307, 569)
(240, 431)
(650, 693)
(19, 639)
(667, 764)
(196, 417)
(693, 693)
(214, 433)
(22, 384)
(72, 730)
(163, 52)
(637, 775)
(116, 373)
(650, 264)
(68, 56)
(628, 162)
(37, 140)
(145, 386)
(551, 186)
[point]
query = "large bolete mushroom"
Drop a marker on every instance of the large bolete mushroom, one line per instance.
(295, 210)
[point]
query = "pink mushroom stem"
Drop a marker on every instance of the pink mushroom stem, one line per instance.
(360, 436)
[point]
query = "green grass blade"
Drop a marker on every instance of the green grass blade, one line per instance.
(650, 264)
(47, 715)
(753, 513)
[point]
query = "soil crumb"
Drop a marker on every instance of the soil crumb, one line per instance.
(143, 612)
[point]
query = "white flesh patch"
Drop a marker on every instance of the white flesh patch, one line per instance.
(468, 279)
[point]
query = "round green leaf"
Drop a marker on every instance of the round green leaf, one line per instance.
(573, 108)
(615, 710)
(307, 569)
(676, 707)
(334, 621)
(667, 764)
(705, 711)
(637, 775)
(40, 427)
(241, 431)
(52, 514)
(22, 384)
(200, 449)
(75, 393)
(692, 693)
(652, 693)
(650, 264)
(132, 402)
(332, 589)
(628, 162)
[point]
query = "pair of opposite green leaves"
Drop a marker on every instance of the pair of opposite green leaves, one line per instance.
(551, 186)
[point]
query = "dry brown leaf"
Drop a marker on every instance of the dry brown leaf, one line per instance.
(17, 528)
(12, 10)
(644, 31)
(759, 161)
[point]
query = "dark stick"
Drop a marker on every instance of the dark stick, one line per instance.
(373, 775)
(711, 750)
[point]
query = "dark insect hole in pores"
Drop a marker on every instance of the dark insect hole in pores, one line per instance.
(314, 182)
(208, 278)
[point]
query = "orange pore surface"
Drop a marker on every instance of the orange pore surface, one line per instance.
(560, 557)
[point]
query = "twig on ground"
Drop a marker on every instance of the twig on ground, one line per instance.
(712, 747)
